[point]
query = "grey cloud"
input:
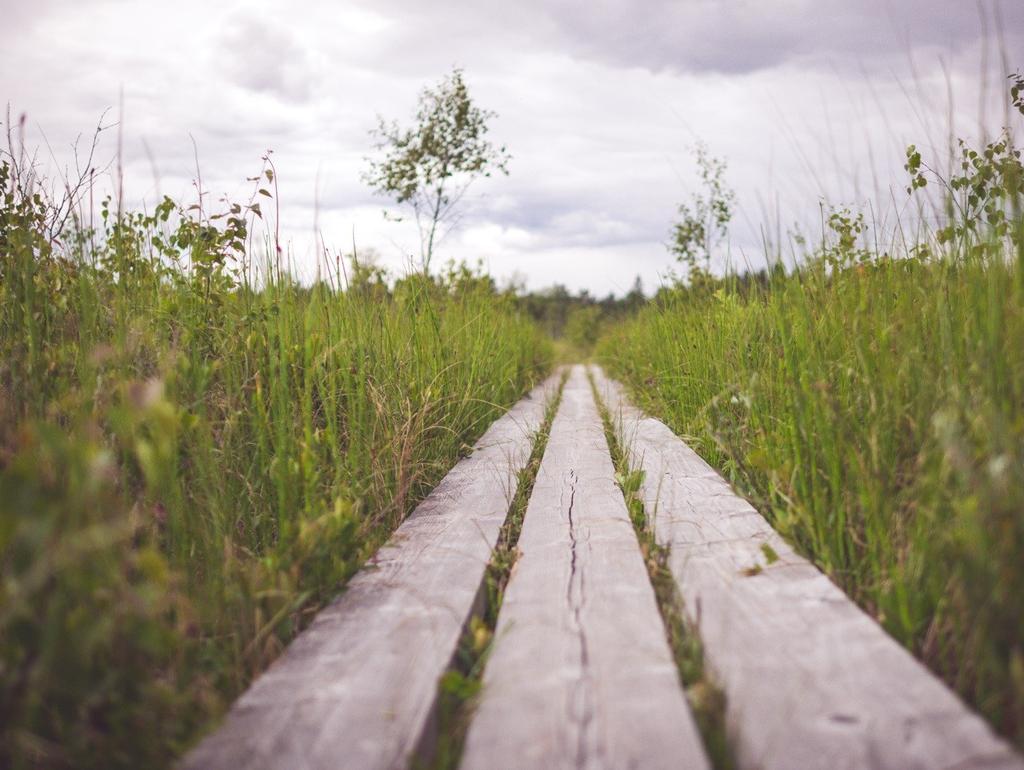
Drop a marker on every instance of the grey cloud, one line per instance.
(725, 36)
(743, 35)
(20, 17)
(570, 219)
(264, 57)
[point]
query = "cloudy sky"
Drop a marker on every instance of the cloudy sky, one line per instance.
(600, 104)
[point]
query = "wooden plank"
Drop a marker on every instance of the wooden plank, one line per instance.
(358, 687)
(580, 675)
(811, 681)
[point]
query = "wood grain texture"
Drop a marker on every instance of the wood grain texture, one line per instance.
(811, 680)
(580, 674)
(358, 687)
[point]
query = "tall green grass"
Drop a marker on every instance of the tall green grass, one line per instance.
(193, 462)
(873, 408)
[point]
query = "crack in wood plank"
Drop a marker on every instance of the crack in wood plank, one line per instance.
(580, 710)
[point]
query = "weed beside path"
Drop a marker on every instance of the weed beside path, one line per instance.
(193, 462)
(875, 414)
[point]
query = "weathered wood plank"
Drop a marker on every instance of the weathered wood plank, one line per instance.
(580, 675)
(358, 687)
(811, 681)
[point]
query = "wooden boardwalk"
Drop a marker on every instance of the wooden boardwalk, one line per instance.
(810, 680)
(580, 674)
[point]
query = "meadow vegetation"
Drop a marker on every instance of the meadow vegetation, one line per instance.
(196, 451)
(870, 401)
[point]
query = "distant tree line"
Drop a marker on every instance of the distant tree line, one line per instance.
(578, 318)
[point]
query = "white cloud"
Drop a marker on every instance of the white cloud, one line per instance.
(599, 103)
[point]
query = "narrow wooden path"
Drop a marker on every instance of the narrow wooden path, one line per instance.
(580, 674)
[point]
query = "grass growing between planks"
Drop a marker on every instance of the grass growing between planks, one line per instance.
(193, 462)
(706, 699)
(460, 685)
(873, 408)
